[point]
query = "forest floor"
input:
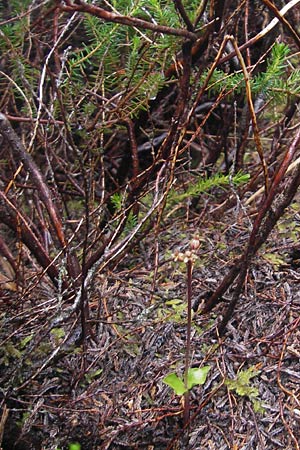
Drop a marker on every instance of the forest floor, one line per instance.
(104, 112)
(108, 393)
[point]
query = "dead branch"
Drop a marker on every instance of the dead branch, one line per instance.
(266, 219)
(18, 149)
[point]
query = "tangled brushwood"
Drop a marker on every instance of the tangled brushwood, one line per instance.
(128, 131)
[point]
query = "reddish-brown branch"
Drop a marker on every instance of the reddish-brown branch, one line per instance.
(200, 12)
(260, 237)
(227, 281)
(29, 119)
(44, 193)
(179, 6)
(125, 20)
(134, 149)
(265, 222)
(265, 207)
(5, 251)
(16, 222)
(17, 147)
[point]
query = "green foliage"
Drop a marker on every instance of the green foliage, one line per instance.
(274, 83)
(159, 11)
(16, 6)
(118, 202)
(26, 341)
(74, 446)
(12, 36)
(16, 66)
(276, 67)
(275, 259)
(192, 8)
(289, 226)
(131, 222)
(292, 85)
(196, 376)
(58, 334)
(206, 184)
(241, 385)
(24, 418)
(91, 376)
(121, 59)
(221, 80)
(155, 11)
(10, 351)
(175, 310)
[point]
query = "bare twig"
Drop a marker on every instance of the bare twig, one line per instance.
(252, 113)
(179, 6)
(284, 22)
(262, 33)
(3, 420)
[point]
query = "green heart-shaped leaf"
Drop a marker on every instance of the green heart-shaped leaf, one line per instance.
(197, 375)
(175, 383)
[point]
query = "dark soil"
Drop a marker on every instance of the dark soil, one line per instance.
(106, 392)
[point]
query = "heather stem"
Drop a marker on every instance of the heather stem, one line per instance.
(188, 340)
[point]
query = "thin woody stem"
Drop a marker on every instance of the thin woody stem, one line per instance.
(186, 412)
(126, 20)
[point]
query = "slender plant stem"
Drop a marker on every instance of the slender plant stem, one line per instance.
(186, 412)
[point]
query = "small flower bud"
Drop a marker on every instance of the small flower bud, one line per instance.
(188, 254)
(178, 256)
(195, 243)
